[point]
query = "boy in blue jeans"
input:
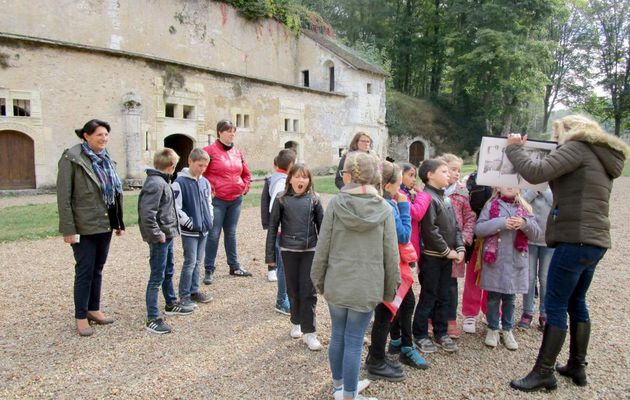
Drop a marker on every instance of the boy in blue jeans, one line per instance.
(157, 218)
(277, 182)
(193, 201)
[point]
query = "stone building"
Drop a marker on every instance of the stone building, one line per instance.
(162, 73)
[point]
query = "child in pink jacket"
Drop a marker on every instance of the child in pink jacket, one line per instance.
(457, 193)
(419, 202)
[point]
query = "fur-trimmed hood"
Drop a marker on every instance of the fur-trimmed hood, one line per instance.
(610, 150)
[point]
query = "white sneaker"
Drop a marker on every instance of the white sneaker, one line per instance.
(272, 276)
(296, 331)
(311, 341)
(508, 340)
(470, 325)
(361, 386)
(492, 338)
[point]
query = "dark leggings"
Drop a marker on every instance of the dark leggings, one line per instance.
(380, 331)
(90, 255)
(300, 289)
(401, 326)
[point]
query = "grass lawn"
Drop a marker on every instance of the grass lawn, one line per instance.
(626, 169)
(38, 221)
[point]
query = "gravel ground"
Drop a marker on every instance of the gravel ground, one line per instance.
(237, 347)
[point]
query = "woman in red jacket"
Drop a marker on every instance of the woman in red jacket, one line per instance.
(230, 177)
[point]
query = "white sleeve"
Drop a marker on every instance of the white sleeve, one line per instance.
(273, 193)
(177, 191)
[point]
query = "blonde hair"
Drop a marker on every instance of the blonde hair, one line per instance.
(571, 124)
(165, 158)
(197, 154)
(363, 168)
(449, 157)
(496, 193)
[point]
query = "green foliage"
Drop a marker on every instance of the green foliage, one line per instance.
(292, 15)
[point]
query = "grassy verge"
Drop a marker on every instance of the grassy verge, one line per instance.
(626, 169)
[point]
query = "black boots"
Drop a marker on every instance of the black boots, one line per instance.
(575, 367)
(384, 369)
(541, 376)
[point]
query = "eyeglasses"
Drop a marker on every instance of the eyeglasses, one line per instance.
(368, 141)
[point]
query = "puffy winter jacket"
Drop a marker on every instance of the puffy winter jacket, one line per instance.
(157, 216)
(227, 172)
(580, 172)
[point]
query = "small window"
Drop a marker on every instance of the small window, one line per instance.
(189, 112)
(340, 151)
(332, 79)
(146, 140)
(369, 88)
(305, 78)
(169, 110)
(287, 123)
(3, 107)
(246, 121)
(239, 120)
(296, 125)
(21, 108)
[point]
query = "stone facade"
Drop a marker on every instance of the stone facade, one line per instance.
(163, 73)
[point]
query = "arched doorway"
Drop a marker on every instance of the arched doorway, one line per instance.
(17, 161)
(416, 153)
(182, 145)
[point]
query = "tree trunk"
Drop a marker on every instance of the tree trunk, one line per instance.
(547, 111)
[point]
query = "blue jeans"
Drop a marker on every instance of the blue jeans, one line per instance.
(570, 274)
(194, 248)
(539, 259)
(162, 270)
(506, 303)
(346, 344)
(226, 214)
(282, 299)
(90, 255)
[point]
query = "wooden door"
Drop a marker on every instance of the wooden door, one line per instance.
(17, 161)
(416, 153)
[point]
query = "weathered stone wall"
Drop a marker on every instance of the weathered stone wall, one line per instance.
(127, 62)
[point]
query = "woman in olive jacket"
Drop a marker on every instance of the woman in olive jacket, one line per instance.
(89, 199)
(580, 172)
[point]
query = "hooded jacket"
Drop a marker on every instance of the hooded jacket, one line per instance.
(157, 216)
(580, 172)
(356, 259)
(193, 203)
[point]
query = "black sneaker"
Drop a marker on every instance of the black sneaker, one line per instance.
(208, 278)
(381, 369)
(178, 309)
(240, 272)
(157, 326)
(446, 343)
(200, 297)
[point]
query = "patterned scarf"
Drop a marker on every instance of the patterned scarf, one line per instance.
(104, 170)
(407, 192)
(492, 242)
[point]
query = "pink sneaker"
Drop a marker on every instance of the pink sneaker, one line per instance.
(453, 331)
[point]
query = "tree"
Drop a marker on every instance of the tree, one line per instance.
(568, 75)
(612, 42)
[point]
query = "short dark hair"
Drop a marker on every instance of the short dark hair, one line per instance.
(430, 165)
(225, 125)
(285, 158)
(90, 127)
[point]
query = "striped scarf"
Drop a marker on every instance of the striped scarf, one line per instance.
(104, 170)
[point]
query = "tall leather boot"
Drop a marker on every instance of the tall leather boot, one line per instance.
(575, 367)
(541, 376)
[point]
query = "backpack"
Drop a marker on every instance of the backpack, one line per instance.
(265, 202)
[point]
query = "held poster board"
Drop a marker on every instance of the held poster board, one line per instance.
(496, 170)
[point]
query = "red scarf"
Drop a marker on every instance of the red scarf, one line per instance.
(492, 242)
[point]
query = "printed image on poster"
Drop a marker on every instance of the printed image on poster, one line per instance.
(496, 170)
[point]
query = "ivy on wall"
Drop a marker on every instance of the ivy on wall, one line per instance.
(292, 15)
